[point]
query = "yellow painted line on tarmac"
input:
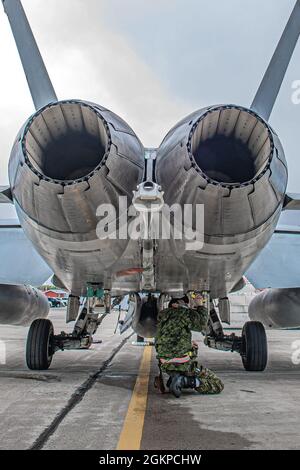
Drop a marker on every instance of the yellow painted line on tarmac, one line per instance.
(132, 432)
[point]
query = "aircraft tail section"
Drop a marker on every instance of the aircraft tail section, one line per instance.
(270, 86)
(39, 83)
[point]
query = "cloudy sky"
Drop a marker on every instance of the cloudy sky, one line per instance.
(152, 62)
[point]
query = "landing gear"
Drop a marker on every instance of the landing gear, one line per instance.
(254, 347)
(39, 348)
(42, 343)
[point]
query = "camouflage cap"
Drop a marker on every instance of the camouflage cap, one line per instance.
(174, 300)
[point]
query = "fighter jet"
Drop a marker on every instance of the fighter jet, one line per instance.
(223, 165)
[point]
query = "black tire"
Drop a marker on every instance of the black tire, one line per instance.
(139, 339)
(39, 348)
(254, 347)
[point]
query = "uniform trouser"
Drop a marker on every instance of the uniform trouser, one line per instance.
(210, 383)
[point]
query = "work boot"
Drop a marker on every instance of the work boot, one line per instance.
(177, 383)
(191, 382)
(159, 384)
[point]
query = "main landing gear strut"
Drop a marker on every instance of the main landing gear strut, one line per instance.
(42, 343)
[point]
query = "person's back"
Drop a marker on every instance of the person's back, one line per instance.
(174, 332)
(176, 353)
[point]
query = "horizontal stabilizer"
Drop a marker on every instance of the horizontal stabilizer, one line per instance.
(291, 202)
(270, 86)
(5, 195)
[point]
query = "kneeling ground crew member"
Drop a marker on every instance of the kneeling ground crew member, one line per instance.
(176, 353)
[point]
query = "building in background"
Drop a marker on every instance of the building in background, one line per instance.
(239, 303)
(55, 294)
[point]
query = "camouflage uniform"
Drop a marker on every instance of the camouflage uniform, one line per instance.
(174, 340)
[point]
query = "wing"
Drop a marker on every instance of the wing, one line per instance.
(20, 263)
(277, 266)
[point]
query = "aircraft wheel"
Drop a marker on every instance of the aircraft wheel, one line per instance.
(254, 347)
(39, 349)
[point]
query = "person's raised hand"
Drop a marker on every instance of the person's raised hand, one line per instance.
(198, 300)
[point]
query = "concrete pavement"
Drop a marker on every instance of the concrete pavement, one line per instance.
(84, 398)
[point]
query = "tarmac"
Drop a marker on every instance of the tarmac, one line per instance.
(104, 398)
